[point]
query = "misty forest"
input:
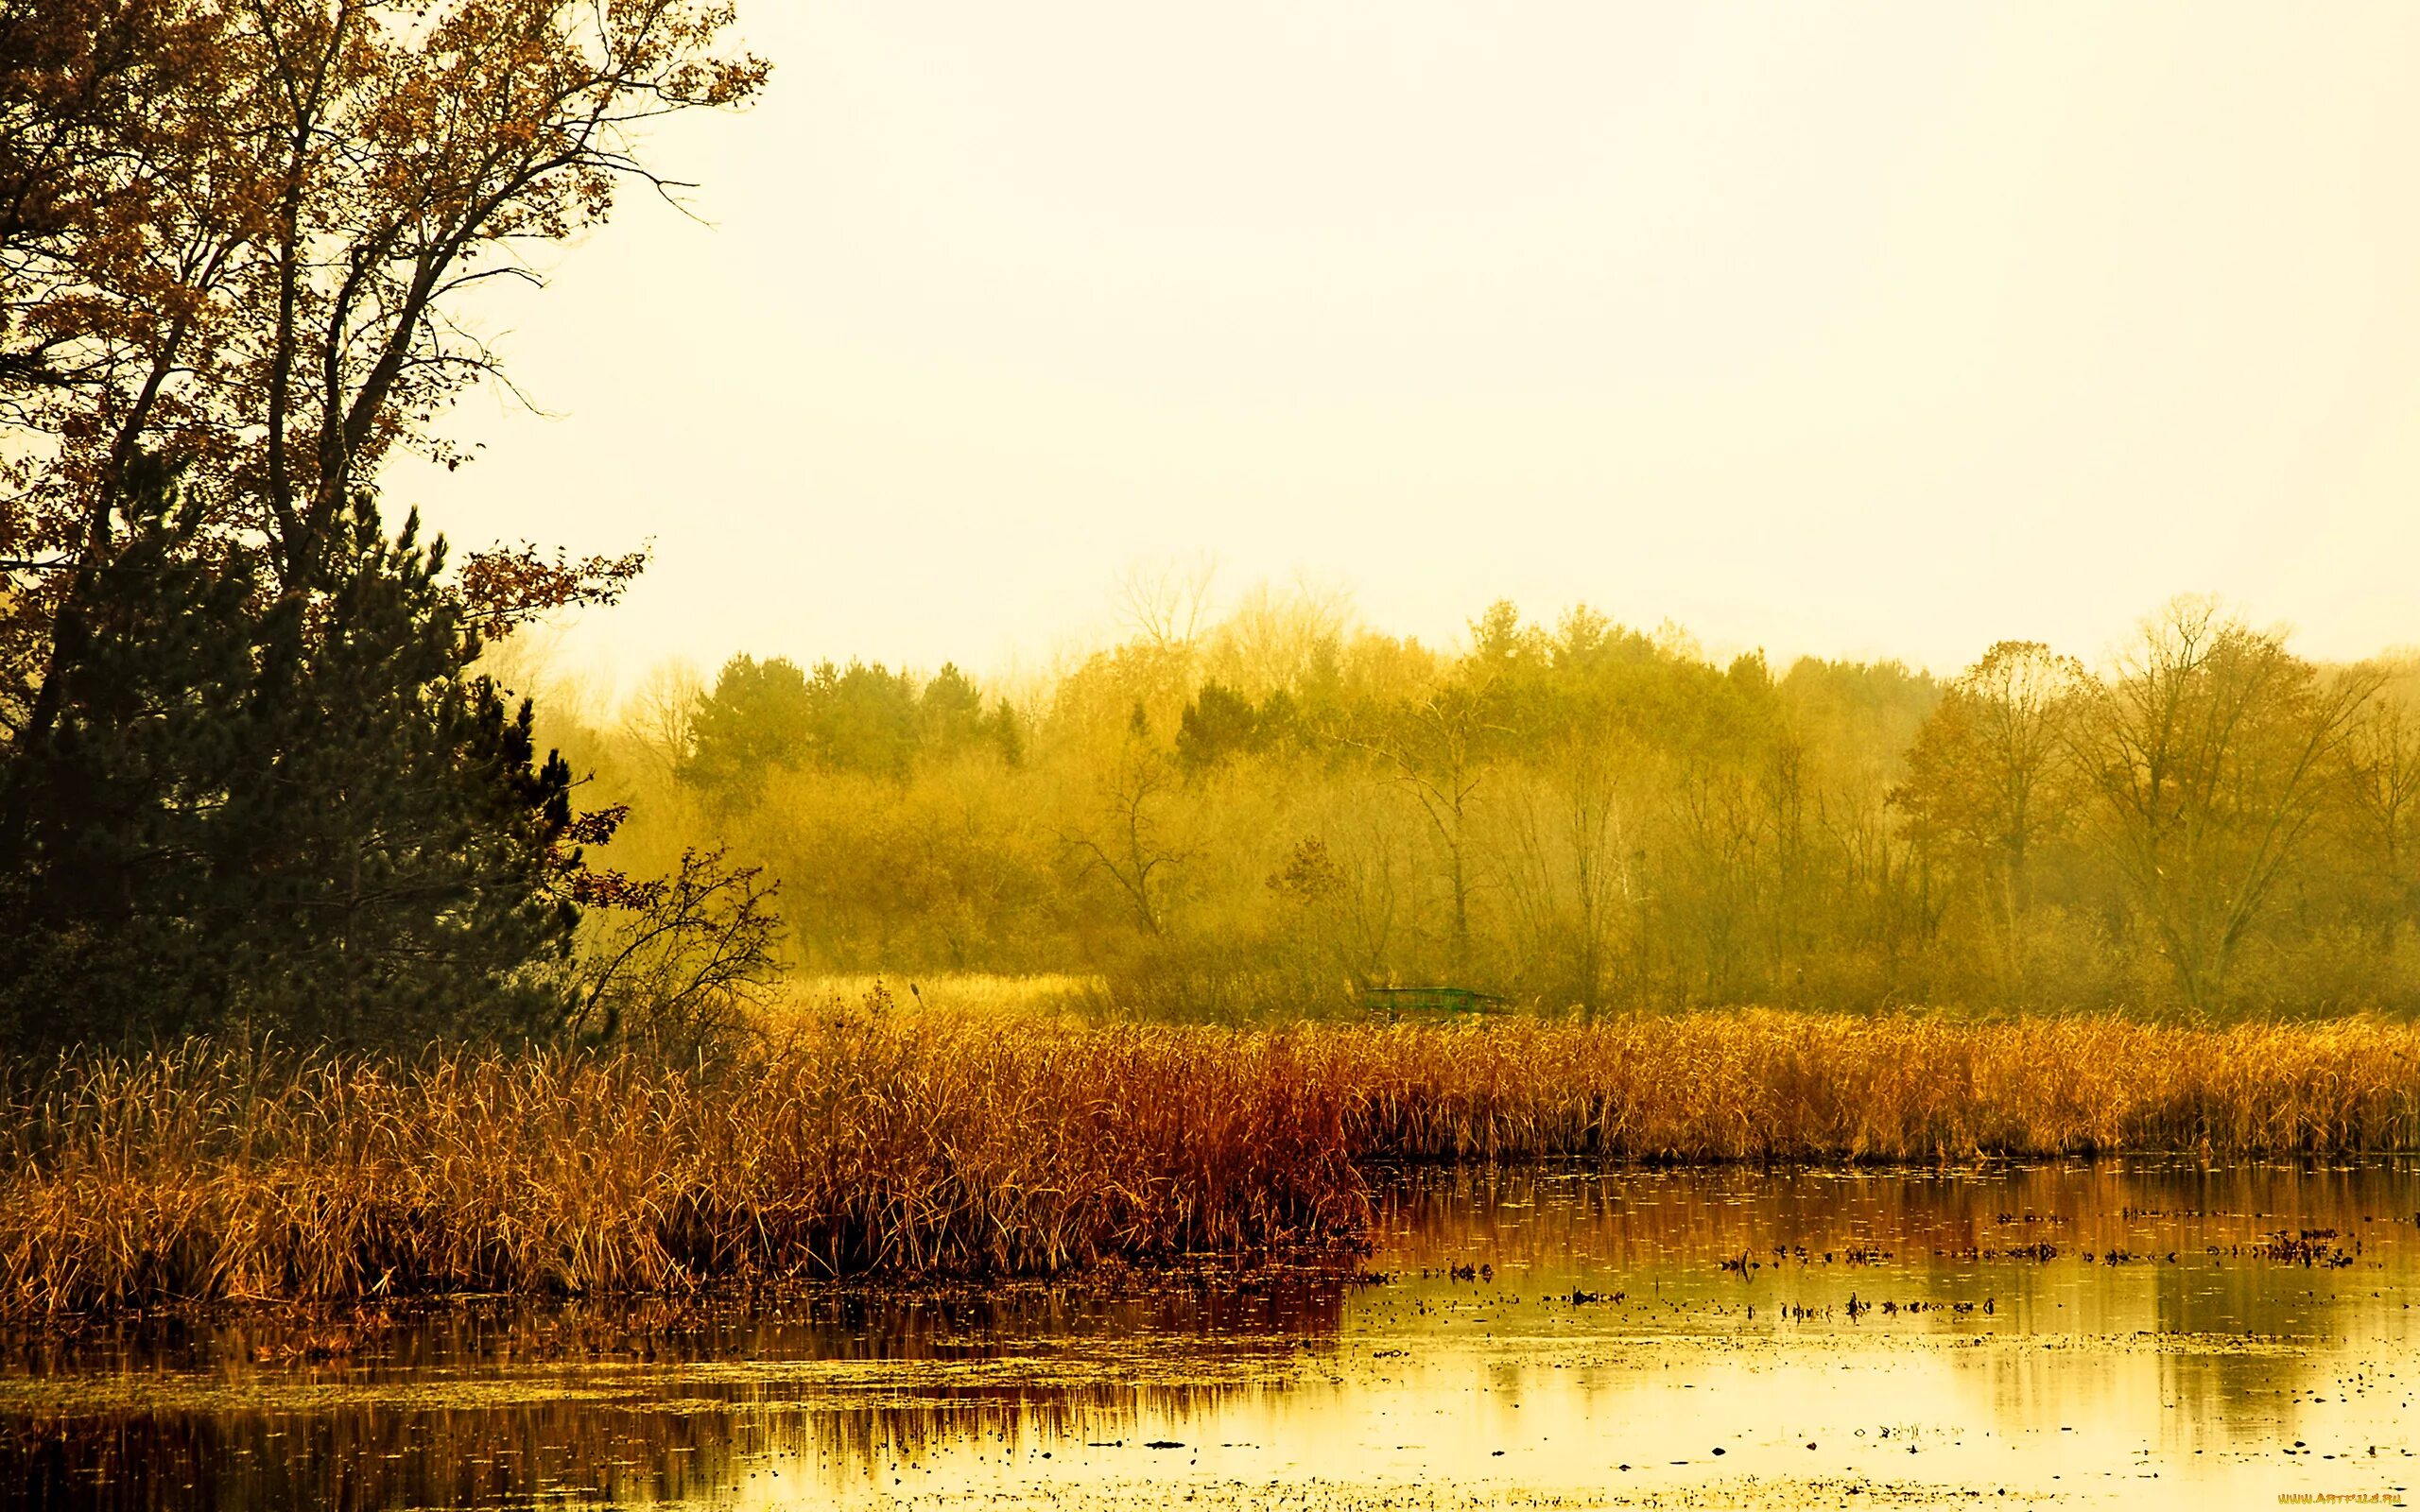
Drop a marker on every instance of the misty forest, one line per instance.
(272, 763)
(1278, 809)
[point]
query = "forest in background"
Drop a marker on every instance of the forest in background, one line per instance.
(256, 779)
(1274, 810)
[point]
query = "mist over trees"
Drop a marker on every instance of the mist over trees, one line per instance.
(259, 766)
(1278, 809)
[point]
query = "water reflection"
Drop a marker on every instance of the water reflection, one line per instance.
(2146, 1328)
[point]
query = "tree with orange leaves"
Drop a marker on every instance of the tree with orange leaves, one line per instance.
(236, 238)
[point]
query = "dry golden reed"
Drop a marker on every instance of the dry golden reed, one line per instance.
(1773, 1086)
(867, 1144)
(870, 1143)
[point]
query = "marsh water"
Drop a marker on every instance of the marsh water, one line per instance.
(2152, 1332)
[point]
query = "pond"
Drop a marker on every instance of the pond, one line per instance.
(2156, 1332)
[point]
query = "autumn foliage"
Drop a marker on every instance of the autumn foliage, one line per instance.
(249, 776)
(1288, 809)
(236, 241)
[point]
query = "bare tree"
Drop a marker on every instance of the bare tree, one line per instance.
(1991, 775)
(1164, 602)
(1435, 749)
(1342, 897)
(1570, 872)
(2381, 782)
(661, 714)
(2207, 746)
(1125, 836)
(675, 960)
(1276, 638)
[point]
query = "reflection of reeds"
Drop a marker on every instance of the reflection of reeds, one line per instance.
(581, 1450)
(623, 1443)
(889, 1141)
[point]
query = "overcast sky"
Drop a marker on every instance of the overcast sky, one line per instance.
(1874, 329)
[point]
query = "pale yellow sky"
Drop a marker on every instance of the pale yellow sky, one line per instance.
(1858, 330)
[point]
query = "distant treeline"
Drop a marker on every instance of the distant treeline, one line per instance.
(1283, 810)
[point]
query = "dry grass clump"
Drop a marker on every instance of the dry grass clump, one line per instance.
(871, 1144)
(881, 1141)
(1772, 1085)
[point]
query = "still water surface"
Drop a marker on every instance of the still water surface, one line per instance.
(2155, 1334)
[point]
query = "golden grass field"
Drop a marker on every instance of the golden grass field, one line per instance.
(955, 1137)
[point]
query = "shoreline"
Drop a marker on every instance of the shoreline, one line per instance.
(1115, 1279)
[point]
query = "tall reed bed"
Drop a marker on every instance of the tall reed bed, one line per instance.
(872, 1143)
(1772, 1085)
(869, 1145)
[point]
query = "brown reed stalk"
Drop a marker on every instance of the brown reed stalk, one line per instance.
(887, 1144)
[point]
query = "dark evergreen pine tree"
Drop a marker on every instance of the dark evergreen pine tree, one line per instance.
(290, 815)
(1217, 724)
